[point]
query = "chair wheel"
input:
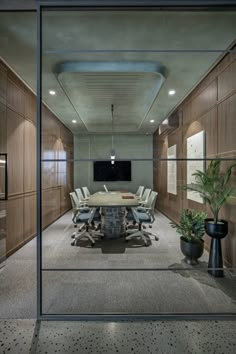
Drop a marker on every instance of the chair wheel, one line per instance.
(150, 226)
(73, 243)
(72, 236)
(126, 240)
(92, 245)
(75, 225)
(156, 238)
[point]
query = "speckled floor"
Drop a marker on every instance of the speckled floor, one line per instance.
(147, 337)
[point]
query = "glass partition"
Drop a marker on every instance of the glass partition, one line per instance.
(152, 89)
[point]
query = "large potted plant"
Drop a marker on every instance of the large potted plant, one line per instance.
(215, 189)
(191, 229)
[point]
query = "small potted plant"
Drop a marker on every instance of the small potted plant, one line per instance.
(215, 189)
(191, 228)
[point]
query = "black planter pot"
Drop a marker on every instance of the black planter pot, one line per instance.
(216, 232)
(191, 250)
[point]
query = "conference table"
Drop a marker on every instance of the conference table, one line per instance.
(113, 209)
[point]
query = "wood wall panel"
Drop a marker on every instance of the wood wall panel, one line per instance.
(226, 124)
(29, 216)
(3, 82)
(30, 106)
(15, 217)
(29, 157)
(226, 80)
(50, 205)
(15, 97)
(3, 128)
(210, 107)
(15, 150)
(18, 128)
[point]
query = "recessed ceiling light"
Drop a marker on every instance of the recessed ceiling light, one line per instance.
(147, 133)
(52, 92)
(74, 121)
(171, 92)
(152, 121)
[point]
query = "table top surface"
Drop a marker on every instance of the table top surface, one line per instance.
(113, 199)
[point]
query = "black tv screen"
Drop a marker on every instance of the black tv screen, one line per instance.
(104, 171)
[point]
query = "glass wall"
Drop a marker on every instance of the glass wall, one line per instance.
(155, 89)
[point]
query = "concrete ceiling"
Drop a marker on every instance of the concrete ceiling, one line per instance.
(110, 57)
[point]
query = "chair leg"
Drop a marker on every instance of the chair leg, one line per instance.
(84, 233)
(82, 227)
(141, 234)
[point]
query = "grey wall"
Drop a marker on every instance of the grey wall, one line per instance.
(126, 146)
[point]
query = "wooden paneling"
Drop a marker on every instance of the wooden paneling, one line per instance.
(15, 220)
(226, 81)
(15, 150)
(3, 128)
(29, 216)
(3, 83)
(30, 106)
(226, 124)
(29, 156)
(210, 107)
(50, 206)
(15, 97)
(17, 127)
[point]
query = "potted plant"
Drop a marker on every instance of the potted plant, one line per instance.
(191, 228)
(215, 189)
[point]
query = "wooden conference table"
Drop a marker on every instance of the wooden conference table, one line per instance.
(113, 209)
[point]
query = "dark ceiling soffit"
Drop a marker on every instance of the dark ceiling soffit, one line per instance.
(141, 3)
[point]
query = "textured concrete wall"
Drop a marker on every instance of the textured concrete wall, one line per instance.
(126, 146)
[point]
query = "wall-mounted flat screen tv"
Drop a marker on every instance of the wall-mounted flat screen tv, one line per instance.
(104, 171)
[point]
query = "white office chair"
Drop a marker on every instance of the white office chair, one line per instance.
(77, 208)
(86, 192)
(143, 200)
(87, 219)
(144, 215)
(139, 192)
(82, 200)
(105, 187)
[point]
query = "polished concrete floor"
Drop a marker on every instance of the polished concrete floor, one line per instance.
(151, 337)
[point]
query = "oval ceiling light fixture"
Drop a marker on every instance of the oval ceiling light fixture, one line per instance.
(171, 92)
(152, 121)
(74, 121)
(52, 92)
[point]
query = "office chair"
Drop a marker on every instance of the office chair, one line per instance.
(82, 200)
(86, 218)
(77, 208)
(143, 215)
(139, 192)
(143, 200)
(86, 192)
(105, 187)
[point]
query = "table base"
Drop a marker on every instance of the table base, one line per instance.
(113, 223)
